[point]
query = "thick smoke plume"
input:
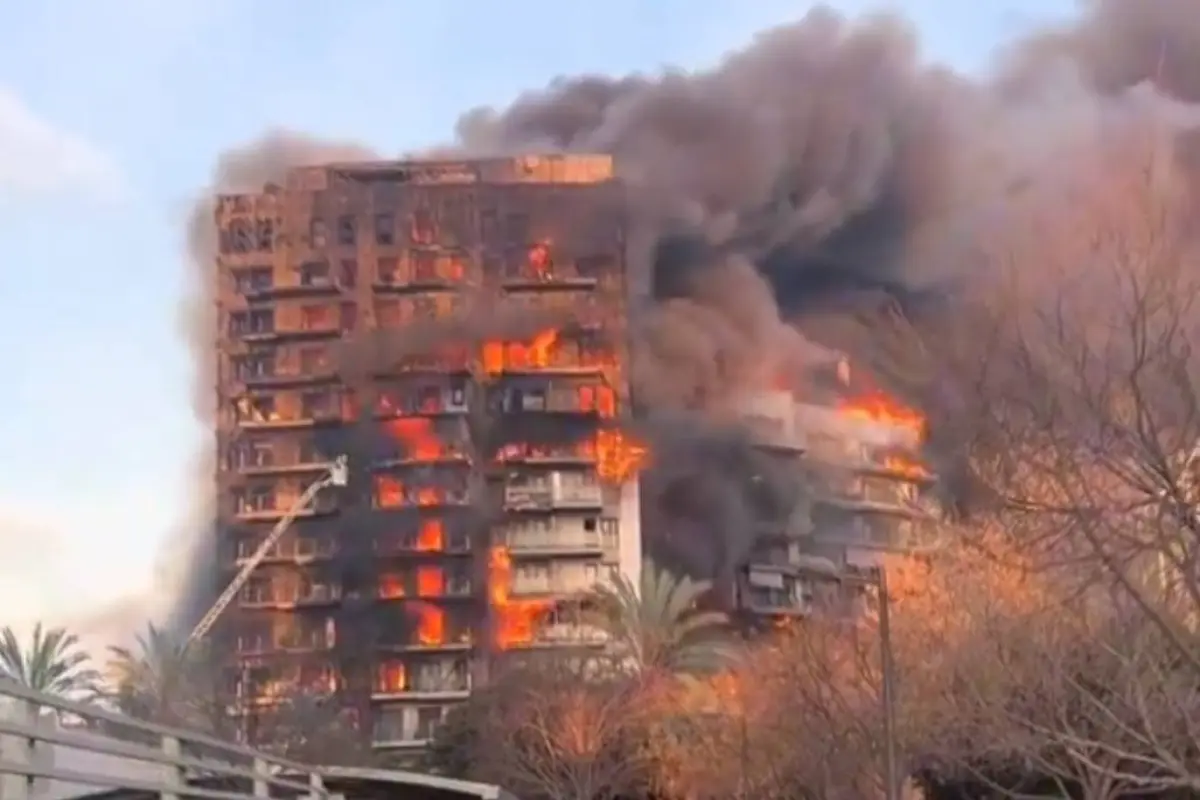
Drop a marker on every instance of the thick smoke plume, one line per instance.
(825, 169)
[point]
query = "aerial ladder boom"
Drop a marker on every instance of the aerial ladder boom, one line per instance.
(338, 475)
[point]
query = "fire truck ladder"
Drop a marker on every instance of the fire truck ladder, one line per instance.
(338, 475)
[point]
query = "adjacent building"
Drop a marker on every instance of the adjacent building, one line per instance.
(458, 330)
(858, 492)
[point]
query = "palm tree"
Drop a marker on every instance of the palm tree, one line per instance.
(656, 625)
(52, 661)
(167, 680)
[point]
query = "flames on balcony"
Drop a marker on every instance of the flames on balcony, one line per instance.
(514, 620)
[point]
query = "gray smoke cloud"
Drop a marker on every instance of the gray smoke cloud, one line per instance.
(827, 166)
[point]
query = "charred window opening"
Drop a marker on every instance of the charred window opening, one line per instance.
(314, 273)
(423, 227)
(346, 230)
(388, 314)
(238, 237)
(317, 233)
(311, 452)
(254, 499)
(254, 365)
(264, 234)
(489, 225)
(387, 270)
(254, 637)
(425, 308)
(318, 404)
(317, 318)
(595, 266)
(385, 229)
(258, 590)
(255, 321)
(251, 454)
(253, 280)
(255, 409)
(314, 359)
(349, 273)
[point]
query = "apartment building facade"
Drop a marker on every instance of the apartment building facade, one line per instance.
(458, 331)
(859, 495)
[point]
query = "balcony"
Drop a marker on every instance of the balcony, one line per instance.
(312, 279)
(551, 537)
(284, 598)
(283, 410)
(301, 550)
(407, 727)
(260, 464)
(429, 680)
(557, 490)
(265, 507)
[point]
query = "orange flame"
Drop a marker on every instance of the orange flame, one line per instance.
(391, 677)
(600, 399)
(431, 623)
(431, 581)
(431, 536)
(391, 586)
(905, 467)
(418, 437)
(878, 407)
(498, 356)
(618, 456)
(515, 620)
(540, 261)
(389, 491)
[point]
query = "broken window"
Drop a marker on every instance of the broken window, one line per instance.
(317, 233)
(385, 229)
(316, 318)
(387, 269)
(346, 230)
(253, 280)
(349, 273)
(264, 234)
(314, 273)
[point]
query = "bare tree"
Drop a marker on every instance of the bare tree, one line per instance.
(553, 725)
(313, 728)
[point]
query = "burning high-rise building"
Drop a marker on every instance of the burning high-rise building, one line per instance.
(457, 330)
(858, 490)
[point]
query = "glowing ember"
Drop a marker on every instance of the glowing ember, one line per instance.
(515, 620)
(391, 677)
(431, 536)
(391, 586)
(389, 491)
(431, 623)
(540, 261)
(431, 581)
(429, 496)
(600, 399)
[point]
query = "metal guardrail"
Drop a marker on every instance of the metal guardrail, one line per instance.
(43, 757)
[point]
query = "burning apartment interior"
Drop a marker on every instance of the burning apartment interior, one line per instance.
(489, 475)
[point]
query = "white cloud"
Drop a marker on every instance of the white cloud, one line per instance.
(38, 159)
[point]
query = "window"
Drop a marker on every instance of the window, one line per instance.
(256, 321)
(311, 453)
(253, 280)
(316, 318)
(589, 524)
(252, 454)
(258, 590)
(424, 267)
(424, 308)
(423, 229)
(237, 238)
(255, 499)
(254, 638)
(317, 233)
(255, 365)
(516, 229)
(349, 273)
(314, 273)
(385, 229)
(316, 404)
(348, 317)
(387, 269)
(264, 234)
(346, 230)
(387, 314)
(255, 409)
(428, 720)
(313, 360)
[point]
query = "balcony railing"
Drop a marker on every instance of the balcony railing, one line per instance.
(41, 756)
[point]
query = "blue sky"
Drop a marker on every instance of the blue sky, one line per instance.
(112, 113)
